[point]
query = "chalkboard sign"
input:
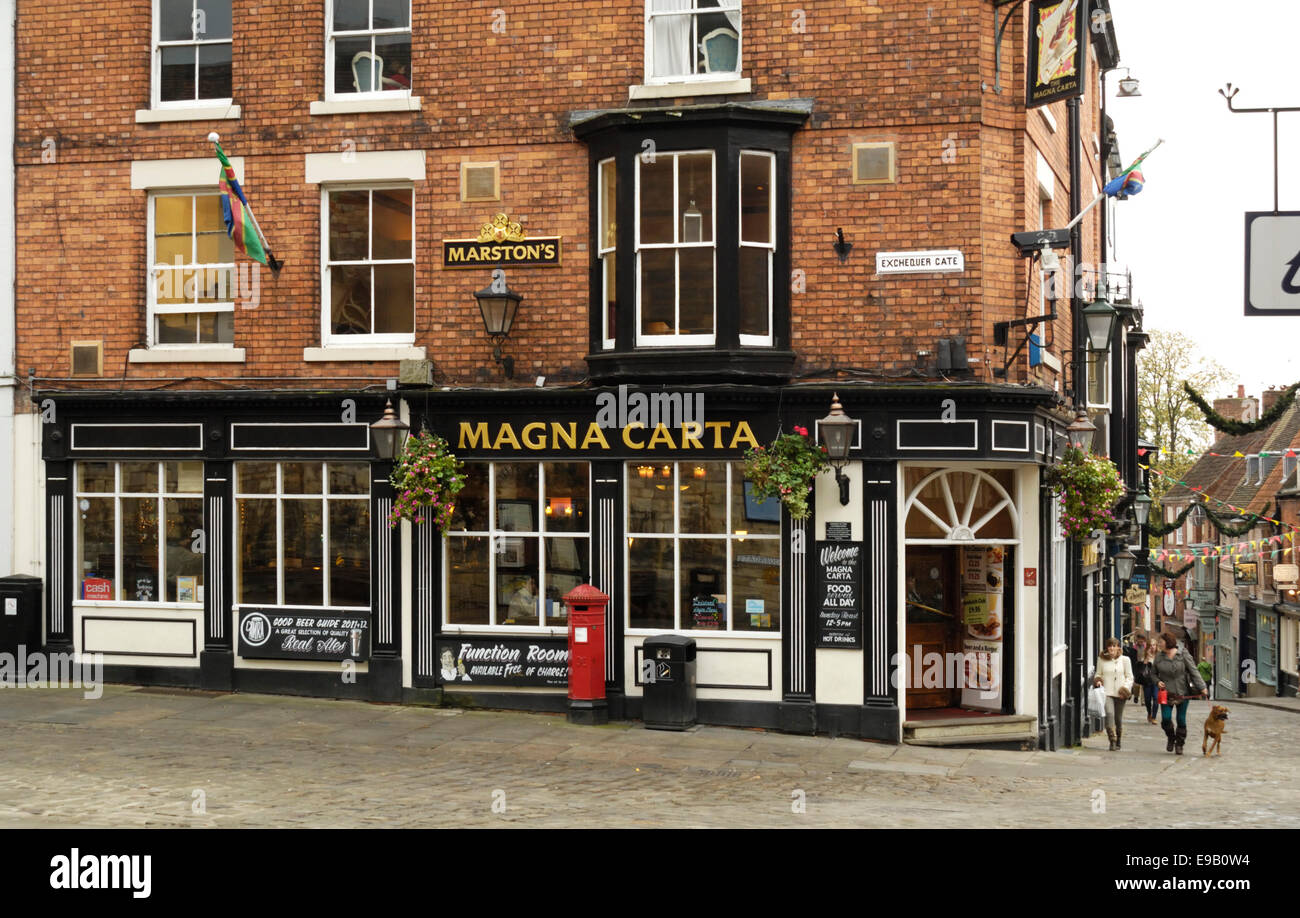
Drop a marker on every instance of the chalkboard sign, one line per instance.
(839, 595)
(706, 613)
(471, 661)
(304, 634)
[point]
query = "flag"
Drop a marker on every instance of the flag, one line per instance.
(1130, 181)
(241, 225)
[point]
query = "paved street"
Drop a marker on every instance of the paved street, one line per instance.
(150, 757)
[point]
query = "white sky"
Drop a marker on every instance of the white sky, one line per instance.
(1184, 235)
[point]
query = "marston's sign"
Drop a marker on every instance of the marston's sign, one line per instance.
(919, 262)
(501, 241)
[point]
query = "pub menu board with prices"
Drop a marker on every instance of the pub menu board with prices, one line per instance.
(304, 634)
(839, 595)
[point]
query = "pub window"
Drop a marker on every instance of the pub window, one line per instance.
(675, 232)
(692, 40)
(191, 293)
(757, 245)
(702, 554)
(607, 249)
(302, 531)
(368, 48)
(191, 53)
(135, 525)
(368, 282)
(519, 541)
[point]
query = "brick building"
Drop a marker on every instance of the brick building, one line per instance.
(691, 163)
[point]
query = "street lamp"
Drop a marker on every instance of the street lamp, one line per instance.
(1124, 562)
(1128, 86)
(389, 432)
(837, 434)
(1080, 432)
(1142, 509)
(1197, 513)
(1100, 317)
(498, 304)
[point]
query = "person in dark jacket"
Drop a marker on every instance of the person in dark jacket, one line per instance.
(1177, 675)
(1142, 655)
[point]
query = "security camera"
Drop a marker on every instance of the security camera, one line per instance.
(1032, 241)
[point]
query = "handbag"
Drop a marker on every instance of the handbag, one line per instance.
(1124, 694)
(1097, 702)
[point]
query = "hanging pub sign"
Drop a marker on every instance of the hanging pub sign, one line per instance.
(501, 242)
(839, 595)
(471, 661)
(1058, 49)
(303, 634)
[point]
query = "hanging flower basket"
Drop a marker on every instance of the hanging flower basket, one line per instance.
(785, 469)
(427, 478)
(1088, 487)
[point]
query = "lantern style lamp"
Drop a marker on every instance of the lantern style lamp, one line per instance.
(499, 304)
(1128, 86)
(1124, 562)
(1142, 509)
(1197, 514)
(837, 434)
(389, 433)
(1100, 317)
(1080, 432)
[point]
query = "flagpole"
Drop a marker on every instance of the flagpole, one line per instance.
(1097, 200)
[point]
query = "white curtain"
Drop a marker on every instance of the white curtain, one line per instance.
(670, 38)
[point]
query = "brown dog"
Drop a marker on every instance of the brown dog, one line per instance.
(1214, 726)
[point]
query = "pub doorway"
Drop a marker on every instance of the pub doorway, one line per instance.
(961, 531)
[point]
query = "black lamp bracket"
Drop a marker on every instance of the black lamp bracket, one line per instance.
(1000, 330)
(843, 481)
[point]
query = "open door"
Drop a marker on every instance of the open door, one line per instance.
(933, 598)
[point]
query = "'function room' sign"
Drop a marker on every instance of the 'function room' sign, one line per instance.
(501, 242)
(949, 260)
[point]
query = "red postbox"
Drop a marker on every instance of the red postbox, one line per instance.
(587, 703)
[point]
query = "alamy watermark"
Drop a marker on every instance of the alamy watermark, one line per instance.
(53, 670)
(978, 670)
(240, 282)
(650, 410)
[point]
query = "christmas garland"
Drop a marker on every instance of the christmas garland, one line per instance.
(1172, 575)
(1220, 525)
(1241, 428)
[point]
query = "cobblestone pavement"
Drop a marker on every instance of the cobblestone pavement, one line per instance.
(150, 757)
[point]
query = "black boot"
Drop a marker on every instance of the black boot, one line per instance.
(1119, 735)
(1180, 738)
(1168, 727)
(1110, 735)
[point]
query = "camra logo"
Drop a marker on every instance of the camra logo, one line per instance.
(257, 629)
(102, 871)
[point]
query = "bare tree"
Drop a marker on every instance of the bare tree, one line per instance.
(1166, 415)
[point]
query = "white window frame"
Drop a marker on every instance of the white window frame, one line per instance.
(279, 497)
(331, 94)
(1288, 465)
(492, 534)
(154, 309)
(770, 245)
(694, 11)
(161, 495)
(156, 65)
(328, 338)
(676, 536)
(607, 334)
(677, 339)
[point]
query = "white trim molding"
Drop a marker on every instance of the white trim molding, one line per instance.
(374, 166)
(373, 353)
(163, 354)
(693, 88)
(361, 106)
(225, 112)
(149, 174)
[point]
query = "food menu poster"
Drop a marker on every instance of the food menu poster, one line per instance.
(983, 592)
(1058, 47)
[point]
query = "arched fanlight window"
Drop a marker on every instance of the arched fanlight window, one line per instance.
(960, 505)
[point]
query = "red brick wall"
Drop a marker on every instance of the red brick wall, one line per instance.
(883, 70)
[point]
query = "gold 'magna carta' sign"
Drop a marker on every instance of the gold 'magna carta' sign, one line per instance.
(501, 241)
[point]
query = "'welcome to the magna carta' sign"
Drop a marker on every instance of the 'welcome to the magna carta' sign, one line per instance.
(501, 242)
(839, 594)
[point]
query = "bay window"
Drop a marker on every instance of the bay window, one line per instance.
(702, 553)
(302, 534)
(136, 526)
(519, 541)
(675, 249)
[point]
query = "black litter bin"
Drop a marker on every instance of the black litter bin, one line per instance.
(668, 682)
(20, 613)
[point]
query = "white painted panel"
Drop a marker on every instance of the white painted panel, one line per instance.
(374, 166)
(747, 669)
(135, 636)
(182, 173)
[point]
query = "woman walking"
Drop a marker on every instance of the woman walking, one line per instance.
(1177, 676)
(1142, 657)
(1115, 675)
